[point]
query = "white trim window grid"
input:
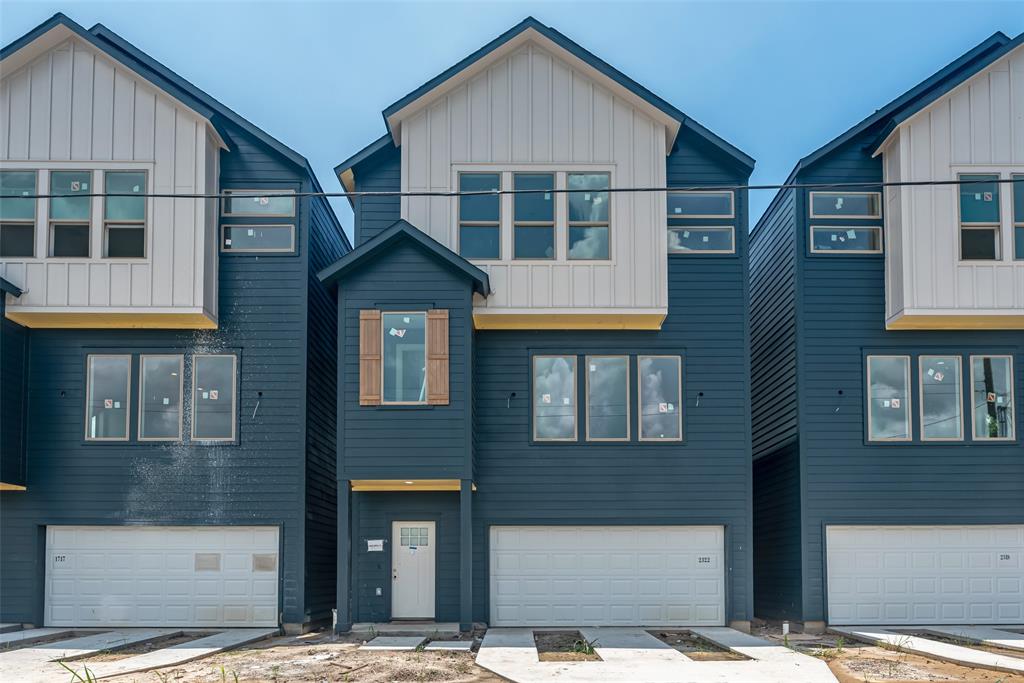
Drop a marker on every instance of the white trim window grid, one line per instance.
(534, 217)
(588, 216)
(266, 202)
(980, 217)
(689, 231)
(846, 239)
(1018, 216)
(256, 233)
(845, 205)
(478, 224)
(70, 217)
(18, 213)
(125, 216)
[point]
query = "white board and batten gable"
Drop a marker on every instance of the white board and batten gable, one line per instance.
(533, 106)
(68, 105)
(975, 129)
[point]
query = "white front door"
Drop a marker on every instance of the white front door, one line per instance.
(412, 570)
(964, 574)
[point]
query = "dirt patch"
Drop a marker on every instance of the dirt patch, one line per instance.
(966, 642)
(855, 662)
(564, 646)
(116, 653)
(318, 658)
(696, 648)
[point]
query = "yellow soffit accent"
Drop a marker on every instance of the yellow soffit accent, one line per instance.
(105, 321)
(11, 487)
(568, 321)
(407, 485)
(956, 322)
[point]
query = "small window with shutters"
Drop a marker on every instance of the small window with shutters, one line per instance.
(403, 357)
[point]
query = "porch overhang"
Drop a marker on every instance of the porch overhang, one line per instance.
(407, 485)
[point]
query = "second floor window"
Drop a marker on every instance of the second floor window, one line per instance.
(70, 216)
(690, 215)
(589, 223)
(124, 214)
(979, 217)
(533, 234)
(480, 216)
(1018, 217)
(17, 214)
(405, 357)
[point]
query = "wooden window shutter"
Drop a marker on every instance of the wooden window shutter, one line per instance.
(437, 357)
(369, 358)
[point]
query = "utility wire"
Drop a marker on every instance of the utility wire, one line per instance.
(488, 193)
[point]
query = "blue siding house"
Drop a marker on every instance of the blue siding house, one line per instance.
(543, 395)
(168, 365)
(887, 349)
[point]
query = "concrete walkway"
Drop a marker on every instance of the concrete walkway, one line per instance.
(984, 635)
(897, 638)
(11, 638)
(632, 654)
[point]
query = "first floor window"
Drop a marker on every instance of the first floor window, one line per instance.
(554, 398)
(589, 223)
(17, 214)
(941, 398)
(661, 415)
(124, 214)
(992, 397)
(533, 216)
(405, 357)
(480, 216)
(607, 398)
(107, 390)
(213, 398)
(846, 239)
(979, 217)
(889, 398)
(160, 393)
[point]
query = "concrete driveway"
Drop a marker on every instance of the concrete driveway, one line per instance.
(633, 654)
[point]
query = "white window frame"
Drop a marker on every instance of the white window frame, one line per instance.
(909, 398)
(996, 228)
(570, 224)
(426, 359)
(181, 395)
(841, 252)
(478, 224)
(128, 397)
(54, 222)
(557, 181)
(698, 252)
(640, 399)
(627, 403)
(256, 192)
(109, 225)
(1016, 225)
(34, 221)
(845, 216)
(959, 397)
(1013, 404)
(234, 397)
(732, 204)
(574, 403)
(223, 236)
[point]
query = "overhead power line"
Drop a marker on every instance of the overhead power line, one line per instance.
(862, 185)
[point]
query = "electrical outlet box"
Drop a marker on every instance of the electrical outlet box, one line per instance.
(380, 591)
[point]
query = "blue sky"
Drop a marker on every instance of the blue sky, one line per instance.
(777, 79)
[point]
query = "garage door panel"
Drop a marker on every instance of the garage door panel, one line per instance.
(618, 575)
(919, 575)
(161, 576)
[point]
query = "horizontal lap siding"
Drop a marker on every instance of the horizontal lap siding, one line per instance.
(848, 481)
(777, 556)
(325, 246)
(260, 481)
(13, 356)
(407, 442)
(380, 173)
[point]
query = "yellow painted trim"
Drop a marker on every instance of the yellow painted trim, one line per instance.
(11, 487)
(85, 321)
(400, 485)
(956, 322)
(568, 321)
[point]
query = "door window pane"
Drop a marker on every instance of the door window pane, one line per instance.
(74, 208)
(480, 216)
(106, 404)
(17, 240)
(682, 240)
(846, 205)
(700, 204)
(992, 397)
(941, 399)
(130, 208)
(253, 203)
(14, 187)
(69, 239)
(840, 239)
(405, 357)
(264, 238)
(554, 398)
(534, 216)
(661, 413)
(607, 398)
(160, 398)
(213, 398)
(889, 398)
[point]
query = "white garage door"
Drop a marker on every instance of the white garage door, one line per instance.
(607, 575)
(161, 576)
(925, 574)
